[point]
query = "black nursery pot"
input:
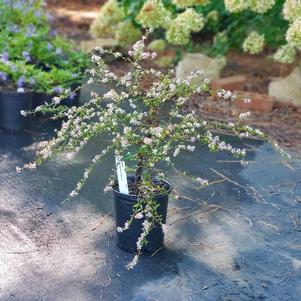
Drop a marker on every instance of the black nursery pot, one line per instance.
(127, 239)
(40, 98)
(11, 105)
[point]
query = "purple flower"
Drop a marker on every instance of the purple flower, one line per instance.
(30, 30)
(21, 81)
(49, 46)
(3, 76)
(52, 33)
(72, 95)
(49, 17)
(58, 90)
(4, 57)
(13, 28)
(17, 6)
(26, 56)
(38, 13)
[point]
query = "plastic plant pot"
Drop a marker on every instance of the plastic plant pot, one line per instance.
(11, 105)
(127, 239)
(39, 98)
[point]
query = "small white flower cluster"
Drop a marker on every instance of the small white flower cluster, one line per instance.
(243, 116)
(215, 144)
(147, 225)
(96, 159)
(138, 52)
(281, 151)
(203, 182)
(124, 228)
(226, 95)
(26, 166)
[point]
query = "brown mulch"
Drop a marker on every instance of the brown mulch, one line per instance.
(260, 69)
(283, 124)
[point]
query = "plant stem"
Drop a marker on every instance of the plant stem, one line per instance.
(138, 173)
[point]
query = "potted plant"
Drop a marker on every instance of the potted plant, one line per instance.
(146, 129)
(56, 82)
(26, 36)
(16, 93)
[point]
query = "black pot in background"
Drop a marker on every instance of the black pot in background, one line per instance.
(11, 105)
(127, 239)
(40, 98)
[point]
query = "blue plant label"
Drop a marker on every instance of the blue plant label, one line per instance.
(121, 176)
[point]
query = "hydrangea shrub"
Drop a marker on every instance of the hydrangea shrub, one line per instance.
(232, 23)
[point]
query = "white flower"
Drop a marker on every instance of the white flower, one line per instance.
(254, 43)
(23, 113)
(164, 228)
(139, 215)
(244, 115)
(119, 229)
(191, 148)
(247, 100)
(108, 188)
(73, 193)
(111, 94)
(56, 100)
(172, 87)
(203, 182)
(133, 263)
(147, 141)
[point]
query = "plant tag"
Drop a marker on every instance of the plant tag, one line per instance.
(121, 176)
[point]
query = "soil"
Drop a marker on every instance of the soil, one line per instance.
(159, 187)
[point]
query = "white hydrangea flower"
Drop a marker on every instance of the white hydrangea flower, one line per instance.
(292, 10)
(254, 43)
(188, 3)
(261, 6)
(285, 54)
(235, 6)
(293, 34)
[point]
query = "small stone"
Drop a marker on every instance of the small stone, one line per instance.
(288, 89)
(192, 62)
